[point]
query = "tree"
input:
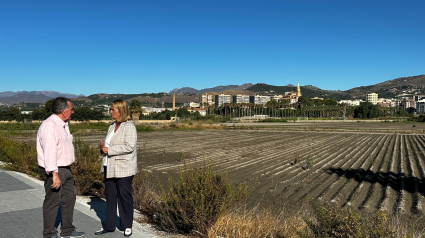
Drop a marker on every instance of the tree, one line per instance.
(366, 110)
(183, 112)
(135, 106)
(303, 100)
(48, 106)
(86, 114)
(343, 110)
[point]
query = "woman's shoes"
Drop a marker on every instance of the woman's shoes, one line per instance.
(101, 232)
(128, 232)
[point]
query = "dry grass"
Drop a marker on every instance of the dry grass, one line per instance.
(405, 229)
(254, 223)
(144, 195)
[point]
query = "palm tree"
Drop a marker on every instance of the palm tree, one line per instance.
(135, 109)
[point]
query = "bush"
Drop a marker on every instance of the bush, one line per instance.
(141, 128)
(18, 155)
(198, 199)
(333, 222)
(144, 196)
(86, 169)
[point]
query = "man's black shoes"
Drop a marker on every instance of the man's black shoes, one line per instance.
(101, 232)
(75, 234)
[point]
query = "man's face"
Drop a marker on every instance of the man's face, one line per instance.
(66, 114)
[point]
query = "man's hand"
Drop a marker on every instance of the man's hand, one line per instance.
(56, 180)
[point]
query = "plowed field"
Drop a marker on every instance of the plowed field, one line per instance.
(366, 171)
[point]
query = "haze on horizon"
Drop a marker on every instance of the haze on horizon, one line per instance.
(104, 46)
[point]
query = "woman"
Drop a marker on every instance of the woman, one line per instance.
(119, 166)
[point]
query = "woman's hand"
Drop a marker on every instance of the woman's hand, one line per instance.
(103, 148)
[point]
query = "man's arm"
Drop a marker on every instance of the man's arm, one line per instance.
(50, 151)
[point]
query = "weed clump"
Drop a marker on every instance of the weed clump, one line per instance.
(333, 222)
(145, 197)
(309, 162)
(197, 199)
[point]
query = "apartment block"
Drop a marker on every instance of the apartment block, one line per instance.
(259, 99)
(240, 98)
(372, 97)
(205, 98)
(221, 99)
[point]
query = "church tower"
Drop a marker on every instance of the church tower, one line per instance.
(298, 90)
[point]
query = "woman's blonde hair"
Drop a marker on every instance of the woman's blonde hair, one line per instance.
(123, 109)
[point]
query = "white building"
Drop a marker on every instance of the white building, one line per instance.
(259, 99)
(240, 98)
(276, 97)
(193, 104)
(205, 98)
(221, 99)
(355, 102)
(420, 106)
(372, 97)
(153, 109)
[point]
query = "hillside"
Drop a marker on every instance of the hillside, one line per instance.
(392, 88)
(215, 89)
(308, 91)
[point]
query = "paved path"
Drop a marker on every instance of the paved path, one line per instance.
(21, 200)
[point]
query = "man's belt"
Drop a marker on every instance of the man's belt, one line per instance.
(61, 167)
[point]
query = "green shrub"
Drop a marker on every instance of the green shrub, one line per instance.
(336, 222)
(273, 120)
(141, 128)
(86, 169)
(198, 199)
(18, 155)
(19, 126)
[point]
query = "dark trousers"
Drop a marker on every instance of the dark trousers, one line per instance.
(52, 200)
(118, 190)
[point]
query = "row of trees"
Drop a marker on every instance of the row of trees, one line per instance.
(310, 108)
(80, 114)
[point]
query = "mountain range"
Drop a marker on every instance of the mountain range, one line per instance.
(393, 88)
(215, 89)
(10, 98)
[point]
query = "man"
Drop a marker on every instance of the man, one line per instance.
(55, 154)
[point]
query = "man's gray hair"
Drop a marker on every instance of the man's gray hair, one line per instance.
(59, 104)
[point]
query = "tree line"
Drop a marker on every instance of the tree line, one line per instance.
(309, 108)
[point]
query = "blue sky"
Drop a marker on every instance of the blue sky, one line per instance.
(87, 47)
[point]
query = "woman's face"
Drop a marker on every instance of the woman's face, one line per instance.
(115, 114)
